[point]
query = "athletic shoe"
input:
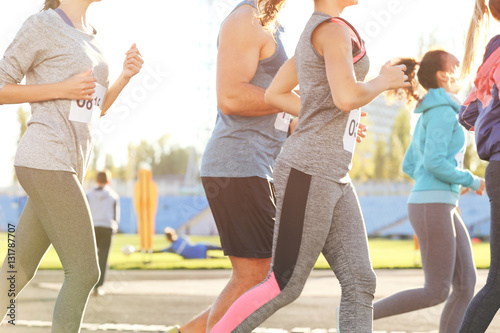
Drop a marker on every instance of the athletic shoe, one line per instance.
(172, 329)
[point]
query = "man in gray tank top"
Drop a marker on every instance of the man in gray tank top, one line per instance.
(238, 161)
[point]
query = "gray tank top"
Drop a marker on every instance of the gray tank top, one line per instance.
(324, 140)
(247, 146)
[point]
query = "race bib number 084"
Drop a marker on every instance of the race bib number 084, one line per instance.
(88, 111)
(351, 130)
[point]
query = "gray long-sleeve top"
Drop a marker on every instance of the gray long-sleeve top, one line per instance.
(104, 204)
(47, 50)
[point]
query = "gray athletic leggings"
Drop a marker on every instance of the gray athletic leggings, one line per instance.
(56, 213)
(447, 263)
(314, 216)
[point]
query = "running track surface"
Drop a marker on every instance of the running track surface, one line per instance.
(149, 301)
(40, 326)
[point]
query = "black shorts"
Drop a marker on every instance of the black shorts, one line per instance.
(244, 210)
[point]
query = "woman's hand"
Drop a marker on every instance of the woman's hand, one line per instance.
(78, 87)
(131, 66)
(479, 192)
(361, 129)
(481, 187)
(394, 76)
(133, 63)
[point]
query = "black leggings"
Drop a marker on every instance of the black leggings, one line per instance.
(486, 303)
(103, 237)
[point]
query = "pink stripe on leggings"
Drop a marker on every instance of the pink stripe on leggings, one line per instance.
(247, 304)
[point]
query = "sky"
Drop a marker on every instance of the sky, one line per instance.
(175, 92)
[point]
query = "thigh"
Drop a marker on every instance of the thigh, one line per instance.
(31, 240)
(103, 237)
(347, 243)
(61, 206)
(434, 227)
(304, 216)
(465, 268)
(244, 211)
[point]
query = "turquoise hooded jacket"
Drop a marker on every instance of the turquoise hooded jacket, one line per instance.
(436, 153)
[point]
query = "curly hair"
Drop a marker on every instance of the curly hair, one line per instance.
(268, 11)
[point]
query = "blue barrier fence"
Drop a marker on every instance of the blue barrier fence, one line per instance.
(384, 215)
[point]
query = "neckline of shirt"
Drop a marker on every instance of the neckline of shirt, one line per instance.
(62, 22)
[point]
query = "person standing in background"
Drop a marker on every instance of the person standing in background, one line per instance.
(104, 205)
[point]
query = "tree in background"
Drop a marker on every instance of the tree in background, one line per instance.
(472, 161)
(163, 157)
(399, 141)
(380, 158)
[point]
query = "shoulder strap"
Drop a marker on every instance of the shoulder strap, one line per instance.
(359, 49)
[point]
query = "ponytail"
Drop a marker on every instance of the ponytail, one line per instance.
(268, 11)
(479, 22)
(426, 76)
(409, 94)
(51, 4)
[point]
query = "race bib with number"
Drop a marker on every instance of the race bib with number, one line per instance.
(282, 122)
(351, 130)
(88, 111)
(460, 160)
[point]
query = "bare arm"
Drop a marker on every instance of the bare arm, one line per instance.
(78, 87)
(131, 66)
(241, 41)
(333, 41)
(281, 94)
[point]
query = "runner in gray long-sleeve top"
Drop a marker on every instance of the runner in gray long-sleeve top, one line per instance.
(66, 85)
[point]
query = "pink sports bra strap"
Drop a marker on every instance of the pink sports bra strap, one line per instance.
(354, 37)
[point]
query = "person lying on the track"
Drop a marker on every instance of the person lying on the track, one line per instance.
(183, 247)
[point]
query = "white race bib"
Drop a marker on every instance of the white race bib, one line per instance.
(351, 130)
(88, 111)
(460, 160)
(282, 122)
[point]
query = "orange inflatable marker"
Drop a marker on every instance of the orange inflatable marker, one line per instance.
(146, 205)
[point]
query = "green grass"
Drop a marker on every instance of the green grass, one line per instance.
(384, 253)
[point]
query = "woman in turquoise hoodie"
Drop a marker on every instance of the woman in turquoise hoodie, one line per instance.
(435, 160)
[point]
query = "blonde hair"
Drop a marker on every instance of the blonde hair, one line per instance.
(268, 11)
(478, 25)
(51, 4)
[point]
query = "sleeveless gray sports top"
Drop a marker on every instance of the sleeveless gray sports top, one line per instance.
(324, 140)
(247, 146)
